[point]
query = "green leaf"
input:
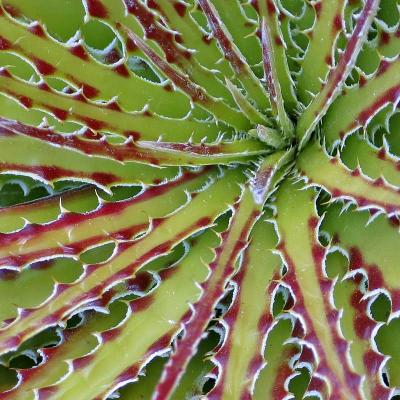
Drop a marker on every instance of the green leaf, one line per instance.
(245, 213)
(371, 245)
(251, 113)
(389, 43)
(372, 161)
(118, 159)
(48, 208)
(243, 72)
(298, 224)
(180, 19)
(272, 78)
(241, 28)
(359, 104)
(196, 93)
(53, 162)
(72, 232)
(53, 58)
(249, 317)
(319, 54)
(278, 354)
(155, 312)
(269, 12)
(327, 172)
(335, 81)
(141, 18)
(357, 327)
(128, 258)
(153, 153)
(102, 117)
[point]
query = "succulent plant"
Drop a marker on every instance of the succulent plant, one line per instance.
(199, 199)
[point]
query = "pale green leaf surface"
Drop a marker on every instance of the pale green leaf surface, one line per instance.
(161, 316)
(249, 316)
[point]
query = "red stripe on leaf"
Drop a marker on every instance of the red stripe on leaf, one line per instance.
(337, 77)
(352, 380)
(196, 93)
(339, 74)
(267, 52)
(69, 220)
(156, 32)
(97, 9)
(226, 43)
(203, 310)
(373, 361)
(223, 355)
(58, 314)
(51, 173)
(318, 168)
(390, 96)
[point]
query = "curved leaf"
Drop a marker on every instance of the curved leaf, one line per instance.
(49, 144)
(127, 259)
(371, 245)
(319, 54)
(105, 117)
(334, 84)
(329, 173)
(268, 10)
(304, 257)
(72, 233)
(157, 311)
(249, 317)
(54, 58)
(234, 240)
(358, 105)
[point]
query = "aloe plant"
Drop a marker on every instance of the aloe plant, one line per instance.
(199, 199)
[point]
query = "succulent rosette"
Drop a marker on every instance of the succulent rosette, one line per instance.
(199, 199)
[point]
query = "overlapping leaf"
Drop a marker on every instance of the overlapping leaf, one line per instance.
(199, 198)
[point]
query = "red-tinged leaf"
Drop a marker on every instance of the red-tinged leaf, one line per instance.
(58, 157)
(224, 152)
(358, 327)
(90, 348)
(197, 214)
(155, 29)
(35, 284)
(249, 318)
(55, 164)
(327, 172)
(271, 171)
(144, 152)
(46, 209)
(233, 242)
(196, 93)
(272, 80)
(72, 233)
(268, 10)
(335, 81)
(279, 353)
(241, 28)
(180, 20)
(245, 213)
(236, 59)
(108, 117)
(80, 68)
(373, 161)
(358, 105)
(318, 58)
(304, 257)
(388, 42)
(371, 243)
